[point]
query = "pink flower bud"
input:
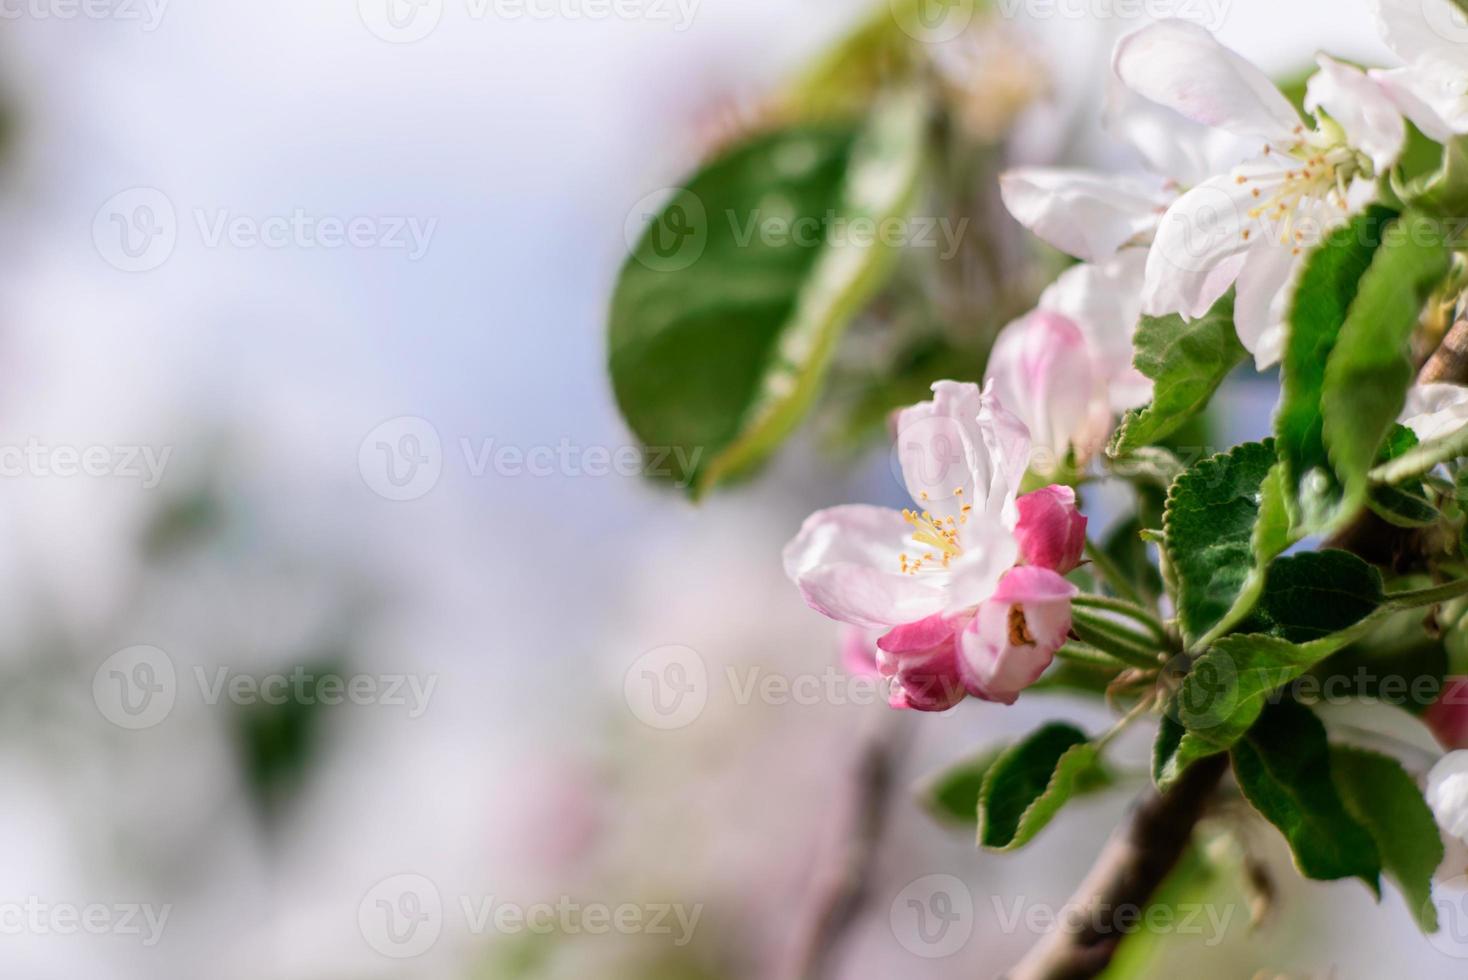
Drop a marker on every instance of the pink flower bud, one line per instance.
(922, 660)
(1051, 530)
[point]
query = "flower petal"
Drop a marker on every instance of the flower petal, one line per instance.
(1083, 214)
(1042, 369)
(1447, 793)
(952, 455)
(846, 562)
(1431, 94)
(1105, 302)
(1364, 109)
(1201, 243)
(1015, 635)
(1178, 149)
(1448, 715)
(1265, 287)
(1423, 29)
(1181, 66)
(990, 549)
(1435, 409)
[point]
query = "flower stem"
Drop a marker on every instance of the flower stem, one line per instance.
(1113, 638)
(1113, 574)
(1131, 610)
(1428, 597)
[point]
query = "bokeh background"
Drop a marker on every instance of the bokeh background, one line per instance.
(241, 446)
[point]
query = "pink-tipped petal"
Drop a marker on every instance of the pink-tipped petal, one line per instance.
(846, 561)
(1448, 715)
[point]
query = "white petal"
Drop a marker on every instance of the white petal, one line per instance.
(1431, 94)
(1201, 243)
(1178, 149)
(1083, 214)
(1181, 66)
(1447, 793)
(846, 561)
(1105, 302)
(989, 550)
(1417, 29)
(1365, 110)
(1266, 285)
(1436, 409)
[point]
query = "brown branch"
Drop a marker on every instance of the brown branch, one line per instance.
(843, 894)
(1450, 361)
(1136, 860)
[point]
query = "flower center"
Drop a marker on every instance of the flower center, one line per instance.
(937, 533)
(1326, 168)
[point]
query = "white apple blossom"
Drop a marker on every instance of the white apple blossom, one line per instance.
(1250, 227)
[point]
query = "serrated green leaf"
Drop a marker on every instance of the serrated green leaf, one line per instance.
(1217, 543)
(1385, 800)
(1029, 784)
(1187, 361)
(1322, 300)
(1370, 367)
(1312, 605)
(722, 325)
(1283, 767)
(1422, 458)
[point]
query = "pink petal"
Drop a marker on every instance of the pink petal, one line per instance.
(922, 660)
(1448, 716)
(1042, 370)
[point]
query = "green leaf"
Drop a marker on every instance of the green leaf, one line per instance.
(1444, 192)
(1312, 605)
(1187, 361)
(1283, 767)
(952, 796)
(1370, 368)
(725, 316)
(1224, 520)
(1422, 458)
(1321, 303)
(1030, 782)
(1384, 799)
